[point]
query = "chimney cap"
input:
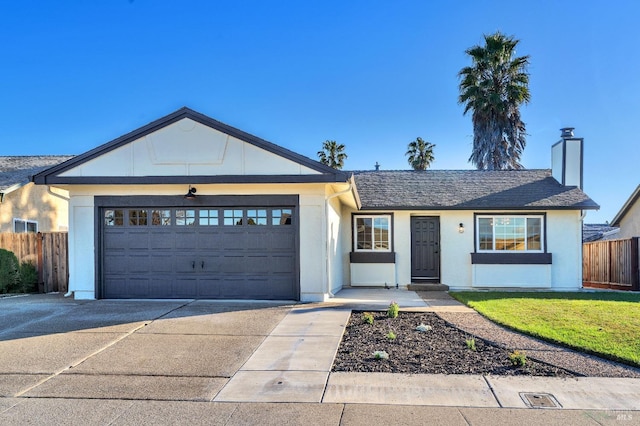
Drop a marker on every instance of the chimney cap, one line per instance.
(567, 132)
(377, 166)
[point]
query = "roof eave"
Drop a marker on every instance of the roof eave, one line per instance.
(626, 207)
(484, 208)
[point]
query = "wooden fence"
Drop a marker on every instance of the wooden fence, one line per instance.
(48, 252)
(611, 264)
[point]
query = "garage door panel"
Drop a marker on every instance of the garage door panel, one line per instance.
(233, 264)
(208, 241)
(282, 241)
(137, 264)
(138, 240)
(161, 288)
(185, 287)
(185, 240)
(201, 258)
(164, 262)
(257, 264)
(282, 264)
(209, 287)
(138, 287)
(162, 240)
(116, 241)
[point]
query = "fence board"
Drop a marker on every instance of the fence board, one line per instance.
(48, 252)
(611, 264)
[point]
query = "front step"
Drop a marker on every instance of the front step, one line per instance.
(427, 287)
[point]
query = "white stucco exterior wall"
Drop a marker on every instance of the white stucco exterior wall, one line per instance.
(81, 247)
(563, 239)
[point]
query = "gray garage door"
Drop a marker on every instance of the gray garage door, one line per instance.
(204, 252)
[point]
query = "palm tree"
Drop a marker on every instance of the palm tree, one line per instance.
(420, 154)
(332, 154)
(493, 88)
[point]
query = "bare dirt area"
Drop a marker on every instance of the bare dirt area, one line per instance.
(441, 350)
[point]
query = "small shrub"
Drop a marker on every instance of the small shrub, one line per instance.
(9, 272)
(391, 335)
(518, 359)
(392, 310)
(471, 344)
(28, 278)
(423, 327)
(367, 317)
(380, 355)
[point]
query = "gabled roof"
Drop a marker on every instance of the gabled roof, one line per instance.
(17, 171)
(467, 189)
(597, 231)
(326, 174)
(626, 207)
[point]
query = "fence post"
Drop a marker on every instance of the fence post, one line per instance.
(635, 268)
(40, 263)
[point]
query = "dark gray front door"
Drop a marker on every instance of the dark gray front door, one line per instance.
(425, 248)
(199, 252)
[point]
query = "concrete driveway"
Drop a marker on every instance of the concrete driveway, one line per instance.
(158, 350)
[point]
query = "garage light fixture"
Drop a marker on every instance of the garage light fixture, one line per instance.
(191, 194)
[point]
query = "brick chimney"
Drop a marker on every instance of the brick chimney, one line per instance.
(566, 159)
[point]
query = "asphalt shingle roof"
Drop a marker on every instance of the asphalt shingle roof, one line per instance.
(595, 231)
(17, 171)
(466, 190)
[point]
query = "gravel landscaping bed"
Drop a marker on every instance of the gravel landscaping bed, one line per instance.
(441, 350)
(581, 363)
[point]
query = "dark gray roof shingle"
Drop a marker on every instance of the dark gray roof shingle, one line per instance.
(17, 171)
(467, 190)
(596, 231)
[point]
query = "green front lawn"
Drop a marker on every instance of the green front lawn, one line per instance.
(603, 323)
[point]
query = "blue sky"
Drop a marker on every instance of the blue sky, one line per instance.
(373, 75)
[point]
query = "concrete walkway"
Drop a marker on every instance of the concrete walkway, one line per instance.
(294, 365)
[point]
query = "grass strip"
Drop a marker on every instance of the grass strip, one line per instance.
(606, 324)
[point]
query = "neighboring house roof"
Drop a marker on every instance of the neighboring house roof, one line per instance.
(17, 171)
(468, 189)
(597, 231)
(326, 173)
(626, 207)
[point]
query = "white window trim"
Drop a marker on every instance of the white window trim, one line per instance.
(498, 216)
(26, 222)
(355, 232)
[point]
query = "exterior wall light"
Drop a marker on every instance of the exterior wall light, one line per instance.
(461, 228)
(191, 194)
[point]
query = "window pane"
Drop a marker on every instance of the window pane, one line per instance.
(281, 217)
(137, 217)
(257, 217)
(32, 226)
(19, 226)
(161, 217)
(509, 233)
(232, 217)
(485, 233)
(381, 233)
(114, 217)
(534, 234)
(185, 217)
(208, 217)
(363, 233)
